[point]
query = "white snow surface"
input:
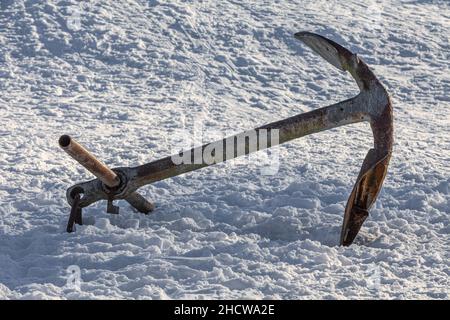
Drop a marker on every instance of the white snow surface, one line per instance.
(125, 77)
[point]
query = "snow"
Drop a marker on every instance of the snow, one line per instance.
(128, 79)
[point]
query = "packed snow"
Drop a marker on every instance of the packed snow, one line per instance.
(129, 79)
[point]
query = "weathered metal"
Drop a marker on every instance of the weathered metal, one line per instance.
(75, 216)
(89, 161)
(110, 180)
(372, 104)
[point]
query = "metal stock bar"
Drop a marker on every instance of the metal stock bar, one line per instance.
(110, 179)
(89, 161)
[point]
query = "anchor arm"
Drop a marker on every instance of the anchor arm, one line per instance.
(377, 106)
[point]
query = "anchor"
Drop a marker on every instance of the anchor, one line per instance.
(372, 104)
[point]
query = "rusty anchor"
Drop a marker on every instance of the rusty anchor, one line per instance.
(372, 104)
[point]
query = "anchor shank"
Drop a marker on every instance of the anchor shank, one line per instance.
(342, 113)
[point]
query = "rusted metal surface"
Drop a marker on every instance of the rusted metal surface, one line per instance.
(376, 105)
(372, 104)
(110, 181)
(89, 161)
(140, 203)
(289, 129)
(75, 214)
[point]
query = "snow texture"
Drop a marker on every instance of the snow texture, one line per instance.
(126, 78)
